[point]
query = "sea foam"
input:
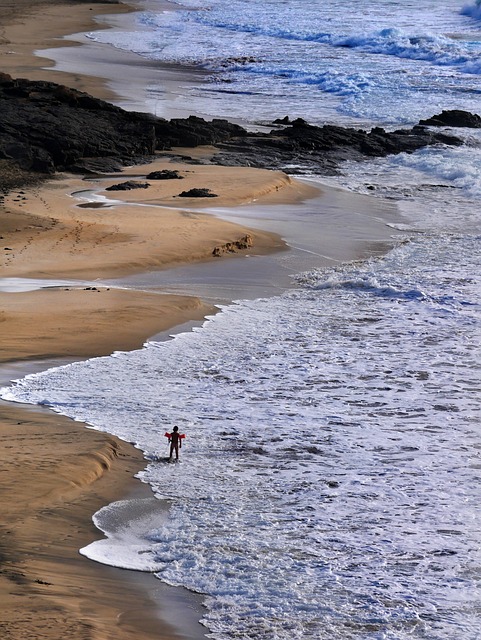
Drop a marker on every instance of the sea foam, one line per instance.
(328, 479)
(245, 47)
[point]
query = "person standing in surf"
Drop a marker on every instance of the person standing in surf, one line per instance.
(175, 439)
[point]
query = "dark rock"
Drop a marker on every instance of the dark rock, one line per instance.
(321, 149)
(128, 186)
(46, 127)
(5, 78)
(198, 193)
(284, 120)
(97, 166)
(454, 118)
(194, 131)
(165, 174)
(239, 60)
(299, 122)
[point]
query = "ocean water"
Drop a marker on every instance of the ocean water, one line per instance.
(330, 480)
(376, 60)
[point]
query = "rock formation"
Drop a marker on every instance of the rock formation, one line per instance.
(454, 118)
(165, 174)
(128, 186)
(46, 127)
(198, 192)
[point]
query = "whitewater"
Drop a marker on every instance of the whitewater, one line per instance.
(329, 483)
(383, 61)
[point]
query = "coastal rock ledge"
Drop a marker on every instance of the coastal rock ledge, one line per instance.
(46, 127)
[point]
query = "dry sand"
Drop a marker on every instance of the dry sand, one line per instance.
(57, 229)
(86, 322)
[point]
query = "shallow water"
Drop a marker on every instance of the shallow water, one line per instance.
(378, 60)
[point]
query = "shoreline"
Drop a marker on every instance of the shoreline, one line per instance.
(27, 29)
(50, 52)
(57, 489)
(54, 576)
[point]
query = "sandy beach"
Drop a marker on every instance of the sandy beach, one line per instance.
(55, 472)
(50, 234)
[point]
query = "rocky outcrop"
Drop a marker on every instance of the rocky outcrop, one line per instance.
(165, 174)
(46, 127)
(194, 131)
(301, 146)
(128, 186)
(454, 118)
